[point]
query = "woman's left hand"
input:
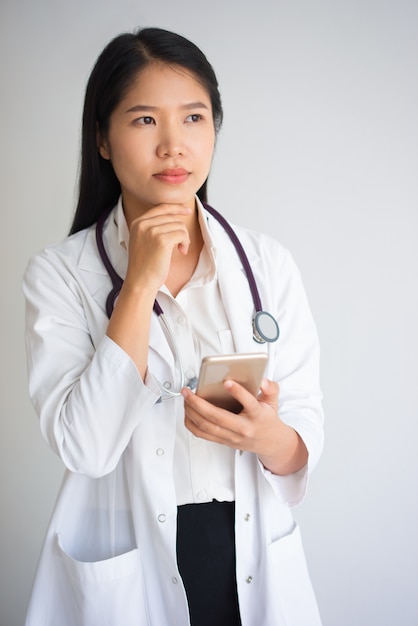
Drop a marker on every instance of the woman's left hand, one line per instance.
(257, 428)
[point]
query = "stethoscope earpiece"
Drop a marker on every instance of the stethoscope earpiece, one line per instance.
(265, 328)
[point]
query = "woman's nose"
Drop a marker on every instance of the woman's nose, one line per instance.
(171, 142)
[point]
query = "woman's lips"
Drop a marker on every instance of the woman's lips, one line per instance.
(174, 176)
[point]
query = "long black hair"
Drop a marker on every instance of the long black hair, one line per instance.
(114, 72)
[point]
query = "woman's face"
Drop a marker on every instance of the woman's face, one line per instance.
(161, 139)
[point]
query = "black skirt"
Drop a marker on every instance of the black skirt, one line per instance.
(206, 561)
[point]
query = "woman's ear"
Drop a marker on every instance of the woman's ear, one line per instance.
(102, 145)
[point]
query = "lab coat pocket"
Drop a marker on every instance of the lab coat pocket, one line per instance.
(106, 592)
(292, 582)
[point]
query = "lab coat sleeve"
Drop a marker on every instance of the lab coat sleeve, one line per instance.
(89, 399)
(296, 369)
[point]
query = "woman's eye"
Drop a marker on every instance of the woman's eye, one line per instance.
(194, 117)
(145, 121)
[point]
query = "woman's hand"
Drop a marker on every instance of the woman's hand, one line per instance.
(153, 237)
(257, 428)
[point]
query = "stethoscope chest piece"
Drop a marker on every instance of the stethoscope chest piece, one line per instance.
(265, 328)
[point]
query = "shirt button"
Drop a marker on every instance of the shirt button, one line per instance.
(159, 452)
(247, 517)
(181, 319)
(190, 374)
(162, 517)
(202, 495)
(174, 580)
(249, 579)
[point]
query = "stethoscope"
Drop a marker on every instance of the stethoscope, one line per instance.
(265, 326)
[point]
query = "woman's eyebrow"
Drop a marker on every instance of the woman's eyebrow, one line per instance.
(141, 107)
(195, 105)
(148, 107)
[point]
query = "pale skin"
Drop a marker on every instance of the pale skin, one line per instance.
(160, 142)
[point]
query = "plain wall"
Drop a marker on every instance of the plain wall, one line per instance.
(320, 149)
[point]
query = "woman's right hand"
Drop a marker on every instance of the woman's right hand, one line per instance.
(153, 238)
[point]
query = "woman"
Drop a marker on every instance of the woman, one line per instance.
(172, 511)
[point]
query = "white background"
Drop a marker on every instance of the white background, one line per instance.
(319, 148)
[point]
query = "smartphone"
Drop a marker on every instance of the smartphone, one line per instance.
(245, 369)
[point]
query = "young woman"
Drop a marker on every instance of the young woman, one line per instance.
(172, 510)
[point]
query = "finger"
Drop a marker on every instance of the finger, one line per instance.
(203, 428)
(195, 405)
(164, 210)
(199, 424)
(158, 217)
(206, 416)
(245, 397)
(269, 392)
(145, 225)
(154, 239)
(169, 235)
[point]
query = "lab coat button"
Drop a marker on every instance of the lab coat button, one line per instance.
(249, 579)
(247, 517)
(190, 374)
(181, 320)
(167, 384)
(162, 517)
(202, 495)
(159, 452)
(174, 580)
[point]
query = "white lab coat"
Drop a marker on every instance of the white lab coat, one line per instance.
(109, 557)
